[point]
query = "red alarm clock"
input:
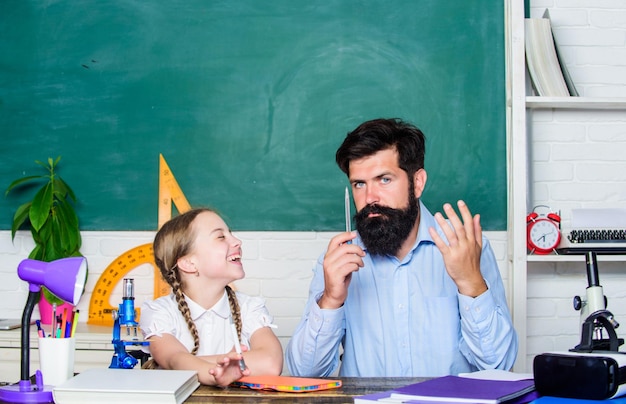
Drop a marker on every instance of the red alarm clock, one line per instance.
(543, 231)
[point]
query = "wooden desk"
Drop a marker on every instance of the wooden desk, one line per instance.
(352, 386)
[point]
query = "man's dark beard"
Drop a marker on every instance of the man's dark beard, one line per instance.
(384, 234)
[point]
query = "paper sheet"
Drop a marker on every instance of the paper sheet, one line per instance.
(609, 218)
(497, 374)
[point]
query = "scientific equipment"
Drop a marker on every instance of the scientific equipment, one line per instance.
(125, 329)
(594, 369)
(594, 315)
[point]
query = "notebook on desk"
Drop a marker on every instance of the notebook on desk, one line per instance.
(127, 386)
(460, 389)
(287, 384)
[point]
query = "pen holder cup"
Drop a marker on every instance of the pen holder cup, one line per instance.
(56, 359)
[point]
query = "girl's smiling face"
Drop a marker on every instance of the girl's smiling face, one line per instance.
(216, 252)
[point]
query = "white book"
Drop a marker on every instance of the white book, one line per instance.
(496, 374)
(571, 87)
(130, 386)
(542, 60)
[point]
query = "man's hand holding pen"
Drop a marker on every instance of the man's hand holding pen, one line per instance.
(341, 260)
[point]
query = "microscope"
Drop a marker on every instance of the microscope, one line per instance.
(594, 369)
(124, 319)
(594, 315)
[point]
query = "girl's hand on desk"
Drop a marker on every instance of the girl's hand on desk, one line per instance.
(227, 369)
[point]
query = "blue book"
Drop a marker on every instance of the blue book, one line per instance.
(373, 397)
(467, 390)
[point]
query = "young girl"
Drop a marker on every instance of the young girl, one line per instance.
(191, 328)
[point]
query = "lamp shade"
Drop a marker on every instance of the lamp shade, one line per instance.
(64, 277)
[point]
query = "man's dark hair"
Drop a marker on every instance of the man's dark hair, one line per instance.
(381, 134)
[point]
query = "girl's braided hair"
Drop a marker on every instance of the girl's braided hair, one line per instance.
(173, 241)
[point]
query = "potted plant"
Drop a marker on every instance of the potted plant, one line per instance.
(52, 220)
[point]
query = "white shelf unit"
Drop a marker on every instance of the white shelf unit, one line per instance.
(575, 103)
(519, 105)
(573, 258)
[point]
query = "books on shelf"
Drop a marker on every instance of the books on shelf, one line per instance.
(132, 386)
(568, 78)
(457, 389)
(542, 60)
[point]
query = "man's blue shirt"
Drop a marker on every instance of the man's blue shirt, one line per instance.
(406, 318)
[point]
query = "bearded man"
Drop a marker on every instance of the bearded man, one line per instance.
(409, 293)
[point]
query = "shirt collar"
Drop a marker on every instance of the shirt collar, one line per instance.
(221, 308)
(427, 220)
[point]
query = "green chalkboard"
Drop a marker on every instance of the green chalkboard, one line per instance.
(247, 100)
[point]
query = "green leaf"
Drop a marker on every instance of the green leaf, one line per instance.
(20, 181)
(21, 214)
(47, 166)
(68, 214)
(62, 241)
(64, 189)
(67, 223)
(36, 236)
(40, 209)
(36, 253)
(44, 237)
(56, 238)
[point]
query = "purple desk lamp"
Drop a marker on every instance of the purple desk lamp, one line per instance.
(66, 279)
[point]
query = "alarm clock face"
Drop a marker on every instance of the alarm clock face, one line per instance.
(544, 235)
